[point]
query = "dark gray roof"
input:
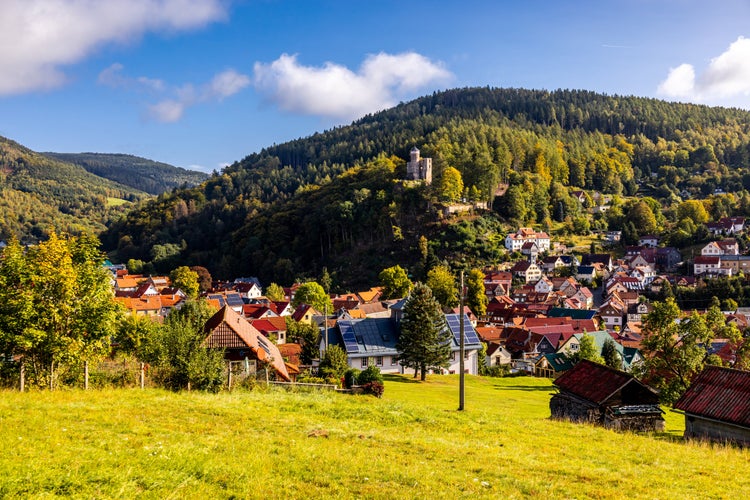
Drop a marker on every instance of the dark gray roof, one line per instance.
(371, 336)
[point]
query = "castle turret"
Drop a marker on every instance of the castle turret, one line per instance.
(418, 169)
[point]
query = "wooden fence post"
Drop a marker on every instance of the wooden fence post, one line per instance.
(229, 377)
(143, 376)
(23, 376)
(86, 375)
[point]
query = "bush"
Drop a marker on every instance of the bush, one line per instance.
(351, 377)
(306, 378)
(497, 371)
(370, 374)
(374, 388)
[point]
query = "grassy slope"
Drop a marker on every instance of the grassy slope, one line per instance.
(412, 443)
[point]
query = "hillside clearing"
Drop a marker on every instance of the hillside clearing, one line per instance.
(411, 443)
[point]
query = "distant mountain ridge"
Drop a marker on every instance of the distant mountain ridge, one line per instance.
(146, 175)
(39, 194)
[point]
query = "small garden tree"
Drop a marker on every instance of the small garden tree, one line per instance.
(334, 364)
(178, 350)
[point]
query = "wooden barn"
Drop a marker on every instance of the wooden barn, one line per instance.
(243, 343)
(590, 392)
(717, 406)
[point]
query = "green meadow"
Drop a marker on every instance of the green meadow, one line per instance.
(412, 443)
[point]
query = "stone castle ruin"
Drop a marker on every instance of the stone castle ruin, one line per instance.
(418, 169)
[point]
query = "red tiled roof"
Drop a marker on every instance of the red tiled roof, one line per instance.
(597, 383)
(719, 393)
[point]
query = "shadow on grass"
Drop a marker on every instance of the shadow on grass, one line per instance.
(666, 436)
(403, 380)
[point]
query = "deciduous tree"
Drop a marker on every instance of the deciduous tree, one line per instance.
(178, 350)
(476, 298)
(311, 293)
(275, 292)
(442, 283)
(306, 335)
(205, 281)
(674, 350)
(451, 185)
(396, 284)
(56, 305)
(186, 280)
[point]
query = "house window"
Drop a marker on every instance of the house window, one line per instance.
(394, 360)
(364, 362)
(453, 356)
(379, 361)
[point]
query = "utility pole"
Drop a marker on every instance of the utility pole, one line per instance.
(325, 319)
(461, 391)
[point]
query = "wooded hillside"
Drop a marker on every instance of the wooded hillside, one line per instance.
(542, 145)
(39, 194)
(139, 173)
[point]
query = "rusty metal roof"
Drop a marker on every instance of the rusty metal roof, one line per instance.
(598, 383)
(719, 393)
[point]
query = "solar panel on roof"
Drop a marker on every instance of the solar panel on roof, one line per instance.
(454, 324)
(234, 300)
(347, 334)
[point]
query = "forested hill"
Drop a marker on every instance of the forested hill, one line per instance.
(542, 145)
(40, 194)
(139, 173)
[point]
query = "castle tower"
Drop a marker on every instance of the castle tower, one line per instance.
(418, 169)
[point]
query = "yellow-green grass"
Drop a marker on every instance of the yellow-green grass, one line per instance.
(412, 443)
(116, 202)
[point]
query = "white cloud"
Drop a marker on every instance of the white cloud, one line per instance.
(39, 37)
(167, 111)
(726, 77)
(113, 77)
(226, 84)
(336, 91)
(221, 86)
(680, 82)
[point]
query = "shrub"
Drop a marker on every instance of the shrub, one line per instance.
(370, 374)
(497, 371)
(374, 388)
(351, 377)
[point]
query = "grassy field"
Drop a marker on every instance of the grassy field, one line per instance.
(412, 443)
(116, 202)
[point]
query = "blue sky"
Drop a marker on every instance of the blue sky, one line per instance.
(203, 83)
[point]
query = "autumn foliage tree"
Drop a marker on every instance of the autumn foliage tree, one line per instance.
(396, 283)
(56, 305)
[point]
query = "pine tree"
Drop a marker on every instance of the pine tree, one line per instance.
(610, 355)
(424, 340)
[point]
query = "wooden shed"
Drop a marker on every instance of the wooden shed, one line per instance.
(717, 406)
(590, 392)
